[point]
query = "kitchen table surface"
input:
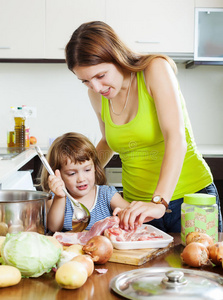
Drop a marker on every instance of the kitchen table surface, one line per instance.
(97, 285)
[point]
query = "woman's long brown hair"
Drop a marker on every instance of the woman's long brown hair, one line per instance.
(78, 149)
(96, 42)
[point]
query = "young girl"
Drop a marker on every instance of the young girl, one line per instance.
(74, 160)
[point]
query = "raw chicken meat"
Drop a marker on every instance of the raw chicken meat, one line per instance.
(71, 238)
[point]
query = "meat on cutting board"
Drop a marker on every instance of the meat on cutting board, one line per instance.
(71, 238)
(110, 228)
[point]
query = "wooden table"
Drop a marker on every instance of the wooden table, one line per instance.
(97, 285)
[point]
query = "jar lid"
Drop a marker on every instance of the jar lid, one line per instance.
(199, 199)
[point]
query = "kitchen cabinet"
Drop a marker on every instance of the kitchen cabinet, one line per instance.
(22, 27)
(209, 3)
(63, 17)
(40, 29)
(153, 26)
(216, 166)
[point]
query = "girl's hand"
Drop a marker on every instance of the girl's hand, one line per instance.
(137, 213)
(56, 184)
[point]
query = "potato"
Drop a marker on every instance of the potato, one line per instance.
(9, 276)
(3, 228)
(2, 239)
(76, 249)
(15, 228)
(86, 261)
(71, 275)
(55, 242)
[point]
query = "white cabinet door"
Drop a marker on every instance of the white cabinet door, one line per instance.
(209, 3)
(153, 25)
(63, 17)
(22, 27)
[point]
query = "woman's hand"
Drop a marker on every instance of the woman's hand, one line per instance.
(56, 184)
(137, 213)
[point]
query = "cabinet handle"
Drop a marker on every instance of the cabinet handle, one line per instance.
(4, 48)
(147, 42)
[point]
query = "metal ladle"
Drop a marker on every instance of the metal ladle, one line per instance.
(81, 215)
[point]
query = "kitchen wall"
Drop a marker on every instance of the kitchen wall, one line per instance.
(62, 103)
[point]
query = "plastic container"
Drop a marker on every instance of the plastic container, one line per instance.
(19, 128)
(199, 212)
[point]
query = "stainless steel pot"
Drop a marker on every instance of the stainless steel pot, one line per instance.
(22, 211)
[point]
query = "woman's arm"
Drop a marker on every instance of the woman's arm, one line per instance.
(55, 216)
(163, 87)
(104, 151)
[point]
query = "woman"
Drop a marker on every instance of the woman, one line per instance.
(142, 116)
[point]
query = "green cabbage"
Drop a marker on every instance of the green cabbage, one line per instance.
(32, 253)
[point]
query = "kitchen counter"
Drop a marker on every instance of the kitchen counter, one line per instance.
(10, 166)
(211, 150)
(97, 285)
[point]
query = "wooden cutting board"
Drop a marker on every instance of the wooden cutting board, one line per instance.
(137, 256)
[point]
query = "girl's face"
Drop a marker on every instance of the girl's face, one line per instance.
(105, 78)
(79, 178)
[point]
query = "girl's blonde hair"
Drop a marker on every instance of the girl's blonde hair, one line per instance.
(78, 149)
(96, 42)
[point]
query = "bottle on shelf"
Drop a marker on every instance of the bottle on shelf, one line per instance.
(19, 118)
(10, 131)
(27, 129)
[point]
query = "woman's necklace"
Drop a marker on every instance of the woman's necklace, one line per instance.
(126, 102)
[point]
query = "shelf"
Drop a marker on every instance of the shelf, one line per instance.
(192, 64)
(31, 60)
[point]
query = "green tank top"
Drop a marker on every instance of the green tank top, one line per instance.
(140, 145)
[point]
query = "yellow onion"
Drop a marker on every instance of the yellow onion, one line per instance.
(199, 237)
(195, 255)
(216, 253)
(99, 248)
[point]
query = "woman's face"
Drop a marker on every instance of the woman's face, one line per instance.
(105, 79)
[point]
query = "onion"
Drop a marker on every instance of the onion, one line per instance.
(99, 248)
(216, 253)
(195, 255)
(199, 237)
(87, 261)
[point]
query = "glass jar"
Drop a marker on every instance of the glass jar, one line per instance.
(19, 128)
(199, 212)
